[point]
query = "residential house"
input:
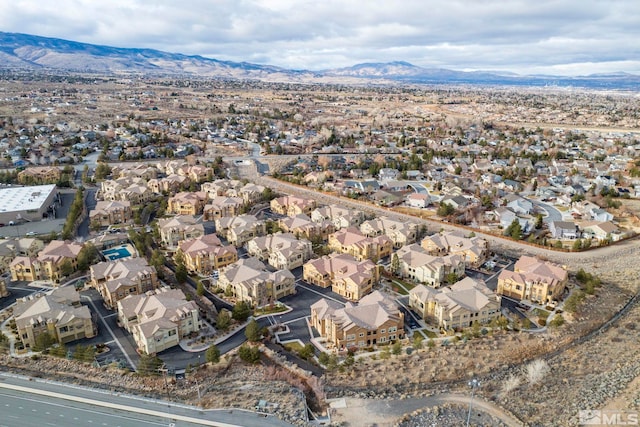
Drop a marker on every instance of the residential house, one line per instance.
(457, 202)
(374, 320)
(339, 216)
(171, 184)
(456, 307)
(564, 230)
(599, 214)
(205, 254)
(534, 280)
(518, 204)
(352, 241)
(187, 203)
(158, 319)
(474, 250)
(108, 213)
(249, 280)
(117, 279)
(601, 231)
(55, 261)
(506, 217)
(418, 200)
(346, 275)
(293, 205)
(223, 206)
(388, 174)
(11, 248)
(238, 230)
(302, 226)
(283, 251)
(181, 227)
(58, 313)
(400, 233)
(415, 263)
(251, 193)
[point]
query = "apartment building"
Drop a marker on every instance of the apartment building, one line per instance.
(39, 175)
(283, 251)
(108, 213)
(206, 253)
(339, 216)
(187, 203)
(302, 226)
(400, 233)
(53, 262)
(474, 250)
(240, 229)
(533, 279)
(181, 227)
(346, 275)
(58, 313)
(158, 319)
(220, 207)
(351, 241)
(293, 205)
(117, 279)
(415, 263)
(456, 307)
(374, 320)
(249, 280)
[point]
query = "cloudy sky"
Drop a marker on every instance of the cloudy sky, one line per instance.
(565, 37)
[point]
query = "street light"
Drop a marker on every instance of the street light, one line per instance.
(474, 383)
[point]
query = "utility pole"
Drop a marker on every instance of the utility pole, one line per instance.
(474, 383)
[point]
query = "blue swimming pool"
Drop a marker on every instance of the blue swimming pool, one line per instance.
(116, 253)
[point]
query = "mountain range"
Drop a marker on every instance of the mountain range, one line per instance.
(23, 51)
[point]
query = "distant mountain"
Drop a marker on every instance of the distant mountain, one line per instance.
(25, 51)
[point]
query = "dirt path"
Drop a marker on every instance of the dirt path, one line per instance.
(367, 412)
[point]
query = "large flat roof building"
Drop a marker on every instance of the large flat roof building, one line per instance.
(28, 203)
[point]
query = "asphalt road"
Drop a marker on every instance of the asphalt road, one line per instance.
(28, 403)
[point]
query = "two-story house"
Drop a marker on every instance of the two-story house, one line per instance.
(533, 279)
(117, 279)
(205, 254)
(346, 275)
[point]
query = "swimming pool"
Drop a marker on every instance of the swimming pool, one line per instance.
(116, 253)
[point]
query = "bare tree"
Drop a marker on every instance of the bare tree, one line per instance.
(536, 371)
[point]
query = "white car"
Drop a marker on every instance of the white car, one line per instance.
(30, 233)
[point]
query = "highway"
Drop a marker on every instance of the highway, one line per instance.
(28, 403)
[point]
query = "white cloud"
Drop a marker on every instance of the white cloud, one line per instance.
(563, 36)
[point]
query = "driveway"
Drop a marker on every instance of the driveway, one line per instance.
(553, 214)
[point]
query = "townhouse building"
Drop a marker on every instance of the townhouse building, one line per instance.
(187, 203)
(339, 216)
(302, 226)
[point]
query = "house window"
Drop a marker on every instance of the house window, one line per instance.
(351, 337)
(361, 334)
(393, 329)
(382, 331)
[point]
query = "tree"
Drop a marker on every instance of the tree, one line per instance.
(224, 320)
(396, 348)
(577, 245)
(181, 269)
(200, 289)
(252, 332)
(451, 278)
(395, 264)
(43, 341)
(307, 351)
(149, 365)
(445, 209)
(514, 230)
(323, 358)
(417, 341)
(87, 256)
(66, 268)
(213, 354)
(241, 311)
(102, 171)
(538, 221)
(249, 354)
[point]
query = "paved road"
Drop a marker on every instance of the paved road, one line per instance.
(553, 214)
(499, 244)
(28, 403)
